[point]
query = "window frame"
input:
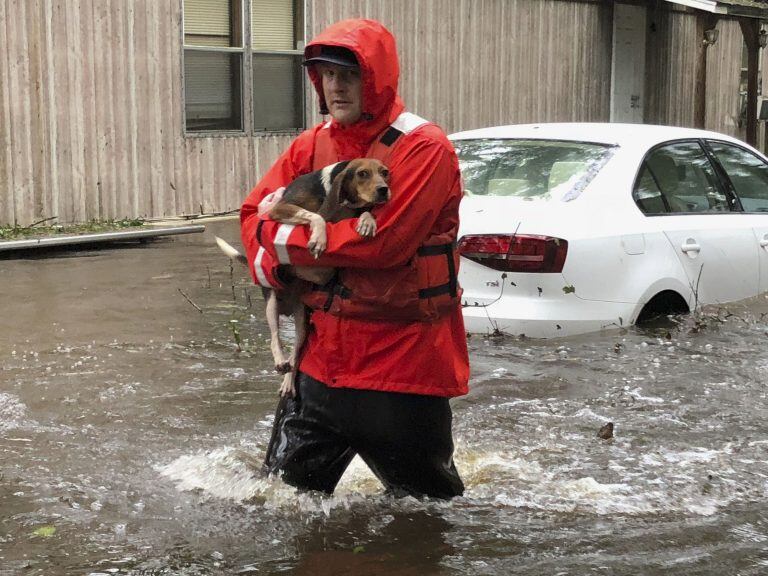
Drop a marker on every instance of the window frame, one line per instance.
(732, 200)
(243, 8)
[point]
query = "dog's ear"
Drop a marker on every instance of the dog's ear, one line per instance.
(342, 186)
(329, 173)
(338, 168)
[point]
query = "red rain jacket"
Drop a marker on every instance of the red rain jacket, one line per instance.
(412, 357)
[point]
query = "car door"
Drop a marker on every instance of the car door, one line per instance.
(714, 244)
(747, 175)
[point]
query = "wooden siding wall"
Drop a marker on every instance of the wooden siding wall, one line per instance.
(472, 63)
(91, 94)
(670, 80)
(91, 117)
(671, 65)
(723, 77)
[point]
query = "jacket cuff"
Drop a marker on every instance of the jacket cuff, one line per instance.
(281, 239)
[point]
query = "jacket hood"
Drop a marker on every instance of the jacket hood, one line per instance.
(376, 51)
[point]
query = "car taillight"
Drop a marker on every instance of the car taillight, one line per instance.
(515, 252)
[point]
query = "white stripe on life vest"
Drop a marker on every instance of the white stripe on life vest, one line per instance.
(260, 276)
(281, 239)
(408, 122)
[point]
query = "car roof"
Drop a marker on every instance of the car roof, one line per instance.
(600, 133)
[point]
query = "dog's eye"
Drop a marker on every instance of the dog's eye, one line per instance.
(384, 173)
(364, 174)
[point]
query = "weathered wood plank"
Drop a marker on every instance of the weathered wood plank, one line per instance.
(77, 127)
(88, 110)
(38, 127)
(20, 111)
(51, 182)
(167, 38)
(104, 96)
(6, 170)
(133, 203)
(154, 109)
(724, 70)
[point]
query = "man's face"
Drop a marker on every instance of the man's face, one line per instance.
(343, 91)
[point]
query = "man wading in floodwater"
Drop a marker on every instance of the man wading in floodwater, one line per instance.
(386, 347)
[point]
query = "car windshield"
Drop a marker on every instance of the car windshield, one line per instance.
(529, 169)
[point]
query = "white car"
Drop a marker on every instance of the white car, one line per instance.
(573, 228)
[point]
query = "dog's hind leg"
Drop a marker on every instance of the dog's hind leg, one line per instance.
(275, 344)
(301, 321)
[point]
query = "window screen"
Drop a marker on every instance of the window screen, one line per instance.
(278, 78)
(272, 25)
(277, 92)
(208, 23)
(212, 90)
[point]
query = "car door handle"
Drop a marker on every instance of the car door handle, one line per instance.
(690, 247)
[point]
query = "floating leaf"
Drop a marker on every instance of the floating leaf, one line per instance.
(570, 289)
(358, 549)
(45, 531)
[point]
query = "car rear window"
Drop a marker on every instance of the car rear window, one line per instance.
(530, 169)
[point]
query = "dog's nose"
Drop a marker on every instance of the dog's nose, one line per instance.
(382, 194)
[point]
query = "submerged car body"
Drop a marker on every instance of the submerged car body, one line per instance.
(573, 228)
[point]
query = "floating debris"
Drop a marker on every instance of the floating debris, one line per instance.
(606, 431)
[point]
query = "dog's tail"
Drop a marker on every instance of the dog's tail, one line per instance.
(231, 251)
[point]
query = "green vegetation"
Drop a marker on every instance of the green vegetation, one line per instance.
(17, 232)
(45, 531)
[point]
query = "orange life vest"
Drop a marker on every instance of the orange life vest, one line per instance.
(424, 289)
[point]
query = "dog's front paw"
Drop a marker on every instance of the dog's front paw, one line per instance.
(366, 225)
(287, 388)
(318, 241)
(316, 248)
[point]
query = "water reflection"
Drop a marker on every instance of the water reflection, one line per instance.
(402, 543)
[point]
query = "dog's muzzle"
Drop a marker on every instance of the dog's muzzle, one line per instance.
(382, 194)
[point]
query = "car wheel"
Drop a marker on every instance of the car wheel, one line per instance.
(663, 304)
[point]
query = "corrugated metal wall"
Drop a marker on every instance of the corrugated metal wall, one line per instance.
(91, 93)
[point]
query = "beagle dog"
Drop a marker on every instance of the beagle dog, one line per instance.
(343, 190)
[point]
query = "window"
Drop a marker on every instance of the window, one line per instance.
(529, 169)
(747, 173)
(233, 44)
(678, 178)
(648, 195)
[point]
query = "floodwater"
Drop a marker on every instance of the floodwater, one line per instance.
(131, 428)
